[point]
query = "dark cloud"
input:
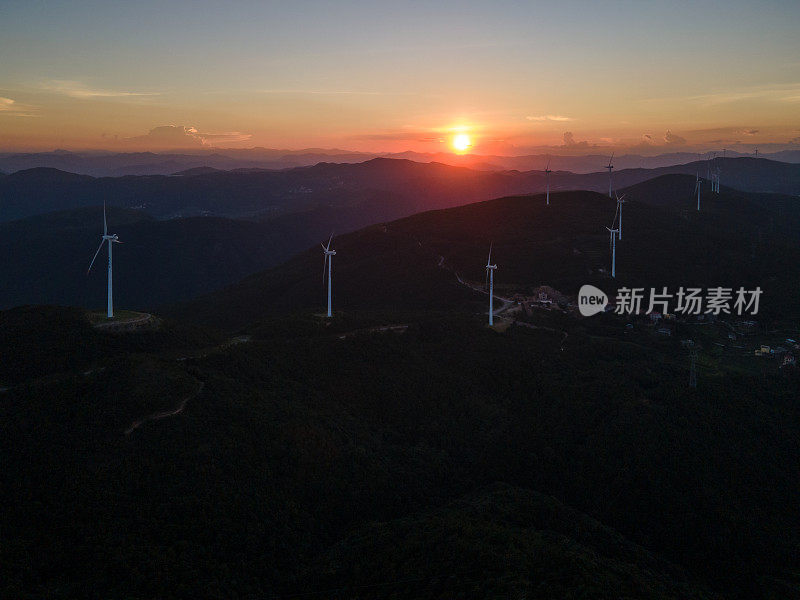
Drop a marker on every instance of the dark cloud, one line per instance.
(569, 141)
(673, 140)
(180, 136)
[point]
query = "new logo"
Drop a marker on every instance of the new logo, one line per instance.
(591, 300)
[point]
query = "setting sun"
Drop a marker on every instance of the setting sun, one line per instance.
(461, 142)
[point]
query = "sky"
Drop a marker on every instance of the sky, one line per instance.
(393, 76)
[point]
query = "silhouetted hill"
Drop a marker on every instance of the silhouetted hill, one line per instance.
(565, 245)
(387, 189)
(761, 213)
(384, 188)
(197, 171)
(110, 164)
(46, 257)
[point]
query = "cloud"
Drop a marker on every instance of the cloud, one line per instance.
(782, 93)
(401, 136)
(550, 118)
(180, 136)
(569, 141)
(750, 131)
(673, 140)
(11, 108)
(75, 89)
(327, 92)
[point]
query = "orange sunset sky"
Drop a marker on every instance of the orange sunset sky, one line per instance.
(389, 77)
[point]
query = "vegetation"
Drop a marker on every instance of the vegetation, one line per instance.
(396, 465)
(403, 449)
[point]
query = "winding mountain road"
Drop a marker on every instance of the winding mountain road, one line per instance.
(169, 413)
(506, 304)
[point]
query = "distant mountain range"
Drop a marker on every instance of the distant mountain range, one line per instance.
(108, 164)
(45, 257)
(737, 239)
(173, 260)
(383, 189)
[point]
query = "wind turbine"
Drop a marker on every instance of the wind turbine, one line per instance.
(697, 188)
(610, 167)
(613, 251)
(547, 172)
(328, 262)
(111, 239)
(490, 269)
(620, 202)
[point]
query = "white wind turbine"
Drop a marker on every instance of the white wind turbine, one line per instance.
(612, 231)
(490, 269)
(327, 263)
(697, 189)
(610, 167)
(547, 172)
(620, 202)
(111, 239)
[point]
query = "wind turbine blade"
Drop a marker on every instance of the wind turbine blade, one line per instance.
(105, 223)
(547, 168)
(329, 242)
(489, 261)
(95, 256)
(324, 266)
(610, 159)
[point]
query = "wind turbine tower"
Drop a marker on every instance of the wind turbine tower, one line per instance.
(328, 263)
(111, 239)
(547, 172)
(613, 251)
(490, 269)
(697, 189)
(610, 167)
(620, 202)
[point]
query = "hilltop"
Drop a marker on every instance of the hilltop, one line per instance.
(382, 189)
(116, 164)
(413, 262)
(157, 263)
